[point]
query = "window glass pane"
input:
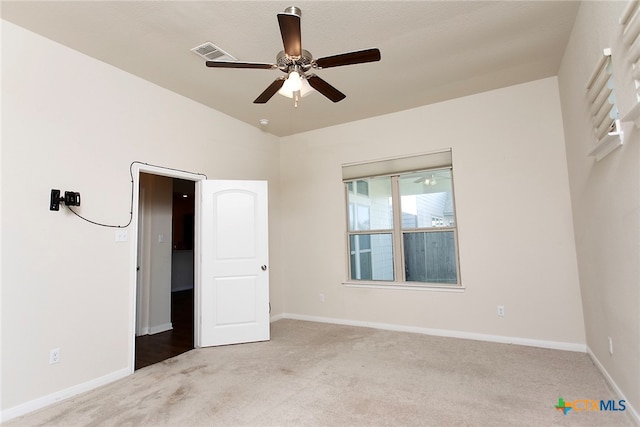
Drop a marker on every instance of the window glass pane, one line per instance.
(364, 241)
(363, 218)
(371, 256)
(363, 187)
(430, 257)
(372, 210)
(352, 216)
(427, 199)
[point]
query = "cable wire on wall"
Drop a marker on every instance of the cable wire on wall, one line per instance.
(132, 192)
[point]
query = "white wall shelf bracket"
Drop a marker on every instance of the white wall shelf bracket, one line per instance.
(606, 145)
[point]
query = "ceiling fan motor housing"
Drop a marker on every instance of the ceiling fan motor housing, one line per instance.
(287, 63)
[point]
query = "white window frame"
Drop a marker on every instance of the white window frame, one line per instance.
(356, 252)
(397, 231)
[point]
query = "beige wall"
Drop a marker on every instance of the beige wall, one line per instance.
(513, 210)
(73, 123)
(77, 124)
(606, 200)
(154, 295)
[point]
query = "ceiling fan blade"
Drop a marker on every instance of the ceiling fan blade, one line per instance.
(325, 88)
(270, 91)
(236, 64)
(359, 57)
(291, 34)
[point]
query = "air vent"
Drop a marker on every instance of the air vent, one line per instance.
(211, 52)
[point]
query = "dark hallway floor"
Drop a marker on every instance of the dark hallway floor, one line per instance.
(155, 348)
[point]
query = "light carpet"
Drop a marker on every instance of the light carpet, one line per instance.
(314, 374)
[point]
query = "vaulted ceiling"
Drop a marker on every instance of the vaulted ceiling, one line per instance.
(431, 50)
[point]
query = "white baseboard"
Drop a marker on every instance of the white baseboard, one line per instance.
(614, 386)
(276, 317)
(160, 328)
(39, 403)
(150, 330)
(52, 398)
(555, 345)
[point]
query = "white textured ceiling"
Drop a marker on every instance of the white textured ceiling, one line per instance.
(431, 50)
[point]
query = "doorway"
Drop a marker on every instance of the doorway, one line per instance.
(165, 271)
(224, 210)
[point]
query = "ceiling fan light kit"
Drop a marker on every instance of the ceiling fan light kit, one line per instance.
(430, 180)
(303, 87)
(297, 63)
(293, 82)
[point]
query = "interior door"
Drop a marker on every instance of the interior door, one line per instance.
(232, 299)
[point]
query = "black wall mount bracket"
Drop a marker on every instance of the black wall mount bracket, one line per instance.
(54, 204)
(71, 198)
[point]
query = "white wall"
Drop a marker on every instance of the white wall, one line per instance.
(513, 209)
(157, 264)
(73, 123)
(606, 199)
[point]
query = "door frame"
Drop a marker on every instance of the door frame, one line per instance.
(136, 170)
(141, 274)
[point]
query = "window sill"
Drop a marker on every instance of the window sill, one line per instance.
(404, 286)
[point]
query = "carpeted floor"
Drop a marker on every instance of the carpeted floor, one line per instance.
(313, 374)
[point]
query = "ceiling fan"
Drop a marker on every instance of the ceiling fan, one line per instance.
(431, 177)
(297, 62)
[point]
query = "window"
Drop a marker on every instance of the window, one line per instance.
(370, 230)
(402, 229)
(361, 187)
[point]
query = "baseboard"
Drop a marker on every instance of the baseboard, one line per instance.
(160, 328)
(555, 345)
(276, 317)
(614, 386)
(52, 398)
(39, 403)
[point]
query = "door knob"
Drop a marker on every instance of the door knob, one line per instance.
(263, 268)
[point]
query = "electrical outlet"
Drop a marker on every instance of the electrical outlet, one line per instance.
(321, 297)
(610, 345)
(121, 235)
(54, 356)
(501, 310)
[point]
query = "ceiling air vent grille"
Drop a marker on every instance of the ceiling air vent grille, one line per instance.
(211, 52)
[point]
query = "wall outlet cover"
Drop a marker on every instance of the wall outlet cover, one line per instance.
(54, 356)
(121, 235)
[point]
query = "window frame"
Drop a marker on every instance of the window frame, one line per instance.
(397, 232)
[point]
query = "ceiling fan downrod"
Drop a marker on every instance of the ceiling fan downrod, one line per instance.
(293, 10)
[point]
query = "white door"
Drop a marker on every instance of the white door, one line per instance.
(232, 296)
